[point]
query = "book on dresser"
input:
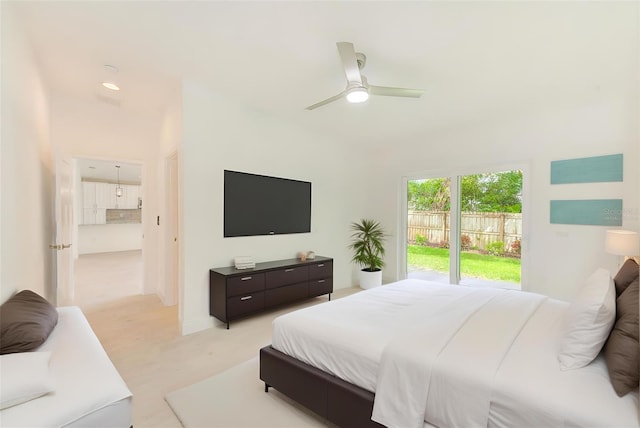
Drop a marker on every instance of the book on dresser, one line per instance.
(235, 293)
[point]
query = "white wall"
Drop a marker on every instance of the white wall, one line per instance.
(219, 135)
(105, 238)
(170, 139)
(104, 131)
(27, 225)
(559, 257)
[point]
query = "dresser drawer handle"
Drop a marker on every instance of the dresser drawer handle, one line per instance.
(246, 278)
(246, 297)
(321, 265)
(320, 281)
(289, 270)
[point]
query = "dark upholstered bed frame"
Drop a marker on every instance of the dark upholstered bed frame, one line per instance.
(340, 402)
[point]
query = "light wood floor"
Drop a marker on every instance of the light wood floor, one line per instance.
(142, 339)
(104, 277)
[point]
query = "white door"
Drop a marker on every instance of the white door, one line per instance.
(64, 228)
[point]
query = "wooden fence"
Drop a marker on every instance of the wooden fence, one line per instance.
(481, 228)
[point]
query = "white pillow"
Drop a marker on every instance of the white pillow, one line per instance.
(25, 376)
(588, 321)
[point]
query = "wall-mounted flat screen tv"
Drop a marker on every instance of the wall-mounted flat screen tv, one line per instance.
(261, 205)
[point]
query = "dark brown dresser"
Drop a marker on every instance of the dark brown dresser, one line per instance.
(235, 293)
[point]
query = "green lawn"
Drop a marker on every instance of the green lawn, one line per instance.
(471, 264)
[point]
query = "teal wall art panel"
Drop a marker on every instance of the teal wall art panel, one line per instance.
(587, 170)
(595, 212)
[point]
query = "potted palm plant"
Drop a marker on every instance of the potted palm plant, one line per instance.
(368, 251)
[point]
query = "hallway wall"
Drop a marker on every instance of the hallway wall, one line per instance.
(27, 169)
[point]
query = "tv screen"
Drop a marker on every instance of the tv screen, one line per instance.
(261, 205)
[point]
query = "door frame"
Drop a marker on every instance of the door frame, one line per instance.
(455, 173)
(171, 233)
(76, 223)
(64, 215)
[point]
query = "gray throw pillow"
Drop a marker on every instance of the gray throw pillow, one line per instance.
(26, 320)
(626, 275)
(622, 347)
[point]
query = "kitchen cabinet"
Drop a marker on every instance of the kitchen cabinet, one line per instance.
(97, 197)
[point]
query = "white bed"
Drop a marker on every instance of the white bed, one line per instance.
(87, 389)
(379, 339)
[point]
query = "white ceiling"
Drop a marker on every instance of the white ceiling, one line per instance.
(105, 170)
(476, 60)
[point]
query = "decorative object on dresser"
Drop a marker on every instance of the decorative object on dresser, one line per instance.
(234, 294)
(244, 262)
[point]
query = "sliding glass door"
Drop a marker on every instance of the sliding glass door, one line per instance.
(428, 228)
(466, 229)
(491, 229)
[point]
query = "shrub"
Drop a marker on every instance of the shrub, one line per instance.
(465, 242)
(444, 244)
(495, 248)
(516, 247)
(420, 240)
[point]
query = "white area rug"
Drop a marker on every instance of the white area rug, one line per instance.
(236, 398)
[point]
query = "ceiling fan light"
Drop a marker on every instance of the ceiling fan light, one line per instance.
(110, 85)
(357, 95)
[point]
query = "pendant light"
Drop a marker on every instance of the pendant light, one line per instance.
(118, 188)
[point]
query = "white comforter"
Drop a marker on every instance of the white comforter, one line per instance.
(479, 368)
(446, 360)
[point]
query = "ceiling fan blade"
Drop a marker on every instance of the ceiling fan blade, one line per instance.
(327, 101)
(349, 62)
(395, 92)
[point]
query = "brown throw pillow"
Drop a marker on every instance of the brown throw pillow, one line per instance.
(621, 349)
(26, 320)
(625, 276)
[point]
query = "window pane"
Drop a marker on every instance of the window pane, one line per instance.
(491, 229)
(428, 225)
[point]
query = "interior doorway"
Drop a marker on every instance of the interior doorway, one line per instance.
(109, 262)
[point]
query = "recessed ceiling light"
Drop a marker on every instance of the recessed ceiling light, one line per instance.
(111, 86)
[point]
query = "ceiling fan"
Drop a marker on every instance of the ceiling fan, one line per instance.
(358, 89)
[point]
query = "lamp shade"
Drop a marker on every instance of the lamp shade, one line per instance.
(622, 242)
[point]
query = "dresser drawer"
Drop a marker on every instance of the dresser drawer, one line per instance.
(245, 304)
(245, 284)
(293, 275)
(321, 270)
(290, 293)
(318, 287)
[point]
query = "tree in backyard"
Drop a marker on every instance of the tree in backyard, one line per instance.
(492, 192)
(429, 195)
(501, 192)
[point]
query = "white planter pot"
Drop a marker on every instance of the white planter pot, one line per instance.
(370, 279)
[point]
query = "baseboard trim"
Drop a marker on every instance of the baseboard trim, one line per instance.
(195, 325)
